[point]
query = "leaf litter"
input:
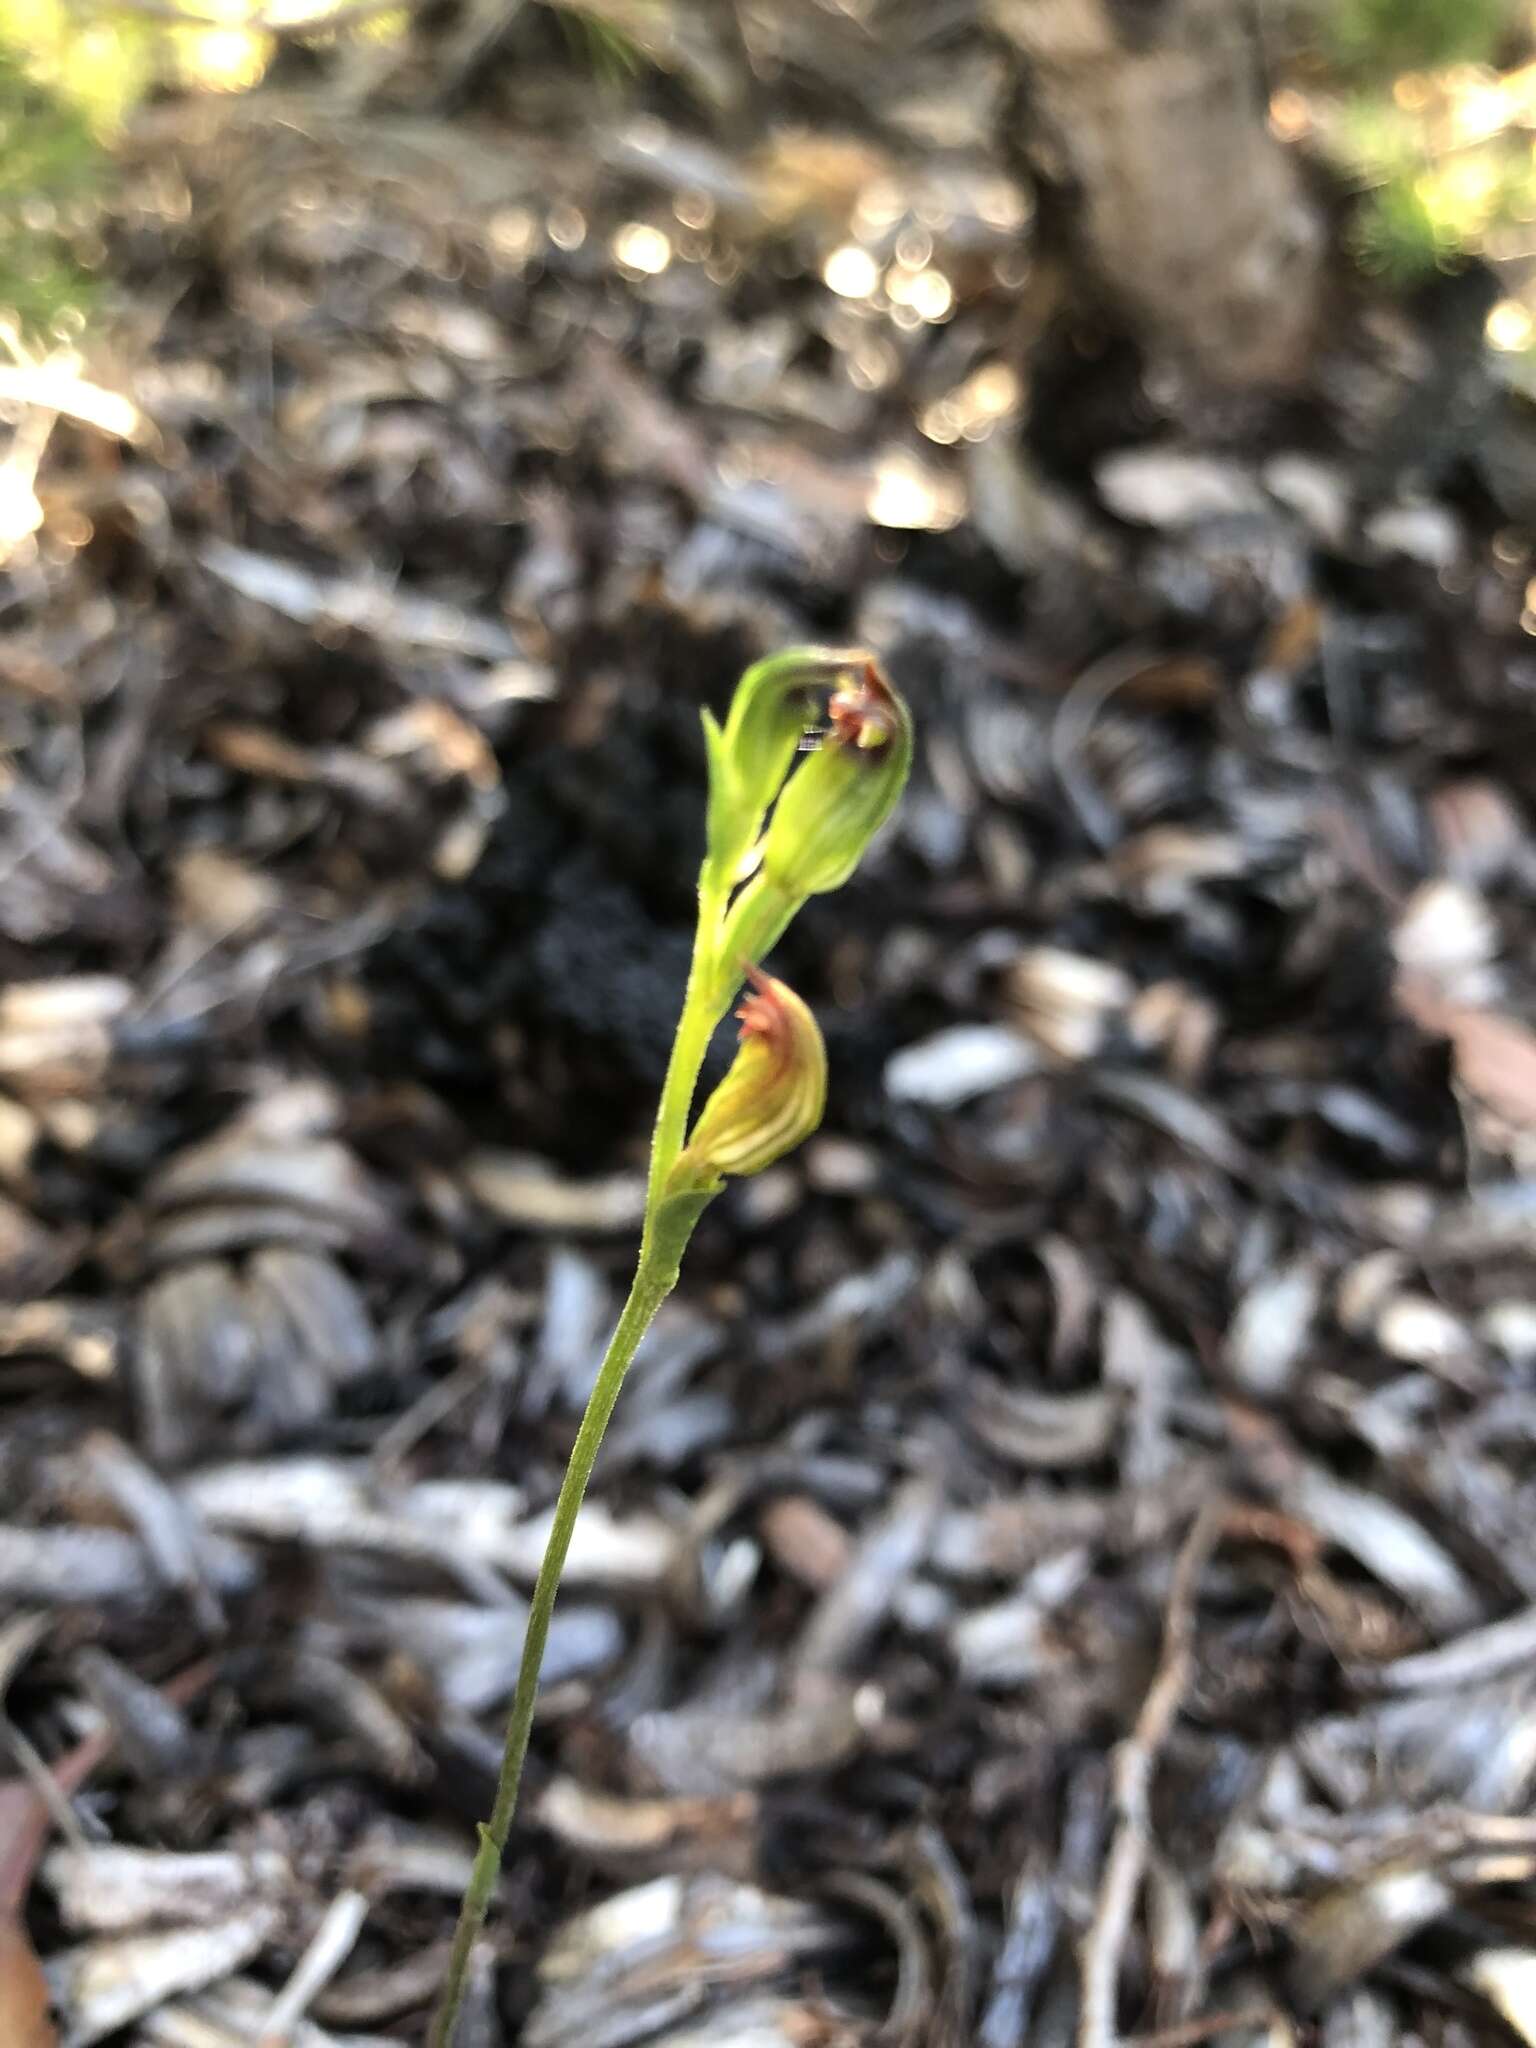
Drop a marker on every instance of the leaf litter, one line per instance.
(1065, 1573)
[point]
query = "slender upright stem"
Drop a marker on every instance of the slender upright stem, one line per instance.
(778, 1092)
(662, 1243)
(701, 1012)
(649, 1291)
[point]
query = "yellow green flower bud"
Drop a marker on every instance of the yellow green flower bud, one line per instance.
(770, 1100)
(774, 705)
(843, 793)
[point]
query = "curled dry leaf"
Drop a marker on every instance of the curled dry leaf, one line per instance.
(103, 1985)
(107, 1888)
(1494, 1054)
(1506, 1977)
(1344, 1934)
(1069, 1002)
(527, 1193)
(958, 1064)
(26, 2007)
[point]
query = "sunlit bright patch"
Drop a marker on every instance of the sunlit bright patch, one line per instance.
(513, 234)
(694, 210)
(942, 422)
(228, 59)
(1484, 109)
(908, 496)
(20, 513)
(851, 272)
(57, 385)
(973, 408)
(566, 226)
(639, 247)
(932, 295)
(873, 365)
(927, 294)
(1290, 116)
(995, 388)
(1510, 326)
(1469, 184)
(880, 204)
(1002, 205)
(914, 247)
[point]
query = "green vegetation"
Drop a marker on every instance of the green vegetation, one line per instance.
(601, 46)
(1446, 174)
(51, 162)
(71, 74)
(1413, 107)
(1378, 39)
(780, 828)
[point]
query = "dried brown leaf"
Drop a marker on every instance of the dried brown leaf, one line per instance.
(26, 2019)
(1494, 1054)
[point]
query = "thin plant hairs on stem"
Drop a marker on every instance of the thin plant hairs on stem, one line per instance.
(782, 825)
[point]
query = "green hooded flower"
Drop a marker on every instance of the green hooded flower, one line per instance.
(841, 796)
(831, 808)
(775, 705)
(771, 1099)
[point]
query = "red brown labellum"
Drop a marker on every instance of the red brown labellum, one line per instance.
(864, 713)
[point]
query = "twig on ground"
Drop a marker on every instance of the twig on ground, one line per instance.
(1190, 2033)
(1135, 1761)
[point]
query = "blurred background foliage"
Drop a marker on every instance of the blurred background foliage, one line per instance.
(1375, 39)
(1425, 108)
(1429, 107)
(51, 159)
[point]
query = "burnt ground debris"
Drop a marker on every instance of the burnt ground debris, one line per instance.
(1063, 1566)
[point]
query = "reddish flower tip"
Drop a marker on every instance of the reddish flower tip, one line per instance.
(762, 1014)
(865, 713)
(771, 1098)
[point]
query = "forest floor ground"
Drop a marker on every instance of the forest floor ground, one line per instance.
(1065, 1564)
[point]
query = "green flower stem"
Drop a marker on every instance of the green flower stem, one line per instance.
(653, 1282)
(704, 1004)
(668, 1226)
(823, 817)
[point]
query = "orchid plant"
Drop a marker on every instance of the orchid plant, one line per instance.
(783, 824)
